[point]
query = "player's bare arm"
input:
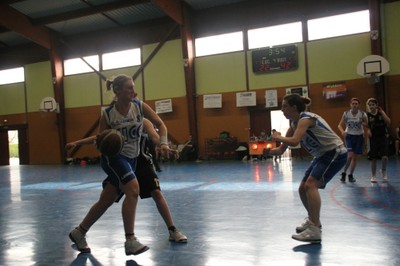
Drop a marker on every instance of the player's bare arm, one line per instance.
(73, 144)
(149, 128)
(282, 148)
(89, 140)
(301, 128)
(341, 126)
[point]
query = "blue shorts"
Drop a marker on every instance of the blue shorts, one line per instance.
(354, 143)
(327, 166)
(120, 169)
(146, 176)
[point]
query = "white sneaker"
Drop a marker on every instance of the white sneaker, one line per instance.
(134, 247)
(305, 225)
(312, 234)
(177, 236)
(384, 176)
(373, 179)
(79, 239)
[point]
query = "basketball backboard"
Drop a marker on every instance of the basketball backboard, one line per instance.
(48, 104)
(372, 65)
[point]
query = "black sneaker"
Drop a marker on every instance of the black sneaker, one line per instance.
(351, 179)
(343, 178)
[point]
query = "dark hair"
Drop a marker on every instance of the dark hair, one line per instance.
(300, 102)
(117, 83)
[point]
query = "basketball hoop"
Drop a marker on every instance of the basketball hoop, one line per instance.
(45, 110)
(373, 79)
(372, 67)
(48, 104)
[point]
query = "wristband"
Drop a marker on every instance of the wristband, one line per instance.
(163, 140)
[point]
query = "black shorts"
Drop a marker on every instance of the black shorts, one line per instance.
(146, 177)
(378, 147)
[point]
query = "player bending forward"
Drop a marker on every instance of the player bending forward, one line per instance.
(329, 156)
(149, 183)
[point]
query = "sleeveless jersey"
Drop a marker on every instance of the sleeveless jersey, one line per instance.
(377, 125)
(144, 146)
(130, 126)
(320, 138)
(354, 122)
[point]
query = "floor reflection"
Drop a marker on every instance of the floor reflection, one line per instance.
(233, 212)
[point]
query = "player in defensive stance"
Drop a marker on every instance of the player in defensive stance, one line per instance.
(329, 156)
(126, 115)
(149, 183)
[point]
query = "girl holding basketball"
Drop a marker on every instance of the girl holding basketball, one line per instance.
(329, 153)
(125, 115)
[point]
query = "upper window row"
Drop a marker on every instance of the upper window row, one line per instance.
(333, 26)
(110, 61)
(345, 24)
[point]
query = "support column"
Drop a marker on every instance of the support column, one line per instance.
(188, 61)
(376, 46)
(57, 72)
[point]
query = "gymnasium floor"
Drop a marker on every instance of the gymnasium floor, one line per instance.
(234, 213)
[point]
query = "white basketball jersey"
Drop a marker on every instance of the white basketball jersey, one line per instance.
(130, 126)
(320, 138)
(354, 122)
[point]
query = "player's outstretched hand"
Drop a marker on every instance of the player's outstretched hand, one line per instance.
(70, 146)
(174, 153)
(168, 152)
(165, 149)
(266, 152)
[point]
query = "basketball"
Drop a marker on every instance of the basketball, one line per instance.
(110, 142)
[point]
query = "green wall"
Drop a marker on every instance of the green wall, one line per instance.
(12, 99)
(164, 76)
(81, 90)
(391, 21)
(220, 73)
(337, 58)
(39, 84)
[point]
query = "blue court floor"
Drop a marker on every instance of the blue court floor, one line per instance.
(233, 212)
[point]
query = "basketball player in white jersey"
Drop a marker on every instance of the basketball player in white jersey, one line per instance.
(329, 156)
(355, 121)
(125, 115)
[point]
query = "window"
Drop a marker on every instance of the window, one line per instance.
(275, 35)
(218, 44)
(121, 59)
(12, 75)
(339, 25)
(77, 65)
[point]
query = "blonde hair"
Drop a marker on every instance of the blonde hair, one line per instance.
(117, 83)
(373, 100)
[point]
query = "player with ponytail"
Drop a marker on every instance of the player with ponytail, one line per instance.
(329, 156)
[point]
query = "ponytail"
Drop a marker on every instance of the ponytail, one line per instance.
(301, 102)
(117, 83)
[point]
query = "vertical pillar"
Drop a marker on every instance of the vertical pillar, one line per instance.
(58, 87)
(376, 46)
(188, 61)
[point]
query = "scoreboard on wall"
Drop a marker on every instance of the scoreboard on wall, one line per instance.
(283, 58)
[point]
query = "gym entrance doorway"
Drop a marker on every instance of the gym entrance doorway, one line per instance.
(13, 147)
